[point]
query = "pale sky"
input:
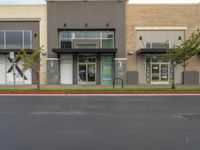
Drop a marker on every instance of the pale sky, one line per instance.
(131, 1)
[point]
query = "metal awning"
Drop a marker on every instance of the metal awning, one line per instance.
(6, 51)
(81, 50)
(151, 51)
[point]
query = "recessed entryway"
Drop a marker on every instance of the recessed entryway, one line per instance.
(86, 68)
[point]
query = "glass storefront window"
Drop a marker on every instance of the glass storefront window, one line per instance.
(105, 38)
(160, 45)
(65, 43)
(157, 45)
(106, 69)
(87, 58)
(65, 35)
(80, 35)
(14, 39)
(148, 59)
(27, 39)
(108, 35)
(107, 43)
(86, 45)
(148, 45)
(87, 35)
(92, 35)
(18, 39)
(1, 40)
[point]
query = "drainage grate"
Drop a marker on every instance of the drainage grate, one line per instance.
(195, 117)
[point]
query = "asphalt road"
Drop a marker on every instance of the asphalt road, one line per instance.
(99, 123)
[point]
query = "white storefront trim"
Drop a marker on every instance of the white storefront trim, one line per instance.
(53, 59)
(124, 59)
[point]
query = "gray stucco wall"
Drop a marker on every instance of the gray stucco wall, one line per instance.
(141, 69)
(53, 69)
(191, 78)
(178, 74)
(95, 14)
(24, 25)
(132, 77)
(160, 36)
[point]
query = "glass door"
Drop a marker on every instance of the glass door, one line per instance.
(86, 73)
(91, 71)
(160, 73)
(164, 72)
(155, 72)
(82, 71)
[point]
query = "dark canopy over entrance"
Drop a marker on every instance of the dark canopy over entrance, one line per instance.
(151, 51)
(86, 50)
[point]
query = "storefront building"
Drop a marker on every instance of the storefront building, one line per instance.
(20, 29)
(86, 41)
(151, 30)
(96, 41)
(12, 41)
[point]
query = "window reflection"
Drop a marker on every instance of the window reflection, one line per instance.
(1, 40)
(15, 39)
(106, 38)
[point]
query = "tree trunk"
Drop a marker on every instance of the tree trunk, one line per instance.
(38, 73)
(38, 80)
(184, 73)
(173, 74)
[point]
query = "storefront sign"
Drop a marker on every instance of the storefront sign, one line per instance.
(148, 72)
(107, 72)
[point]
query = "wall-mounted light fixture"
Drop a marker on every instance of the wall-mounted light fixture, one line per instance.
(179, 38)
(130, 53)
(43, 53)
(64, 25)
(107, 24)
(35, 35)
(140, 38)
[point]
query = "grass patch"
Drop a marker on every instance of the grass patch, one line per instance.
(104, 90)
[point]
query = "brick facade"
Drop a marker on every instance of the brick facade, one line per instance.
(149, 15)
